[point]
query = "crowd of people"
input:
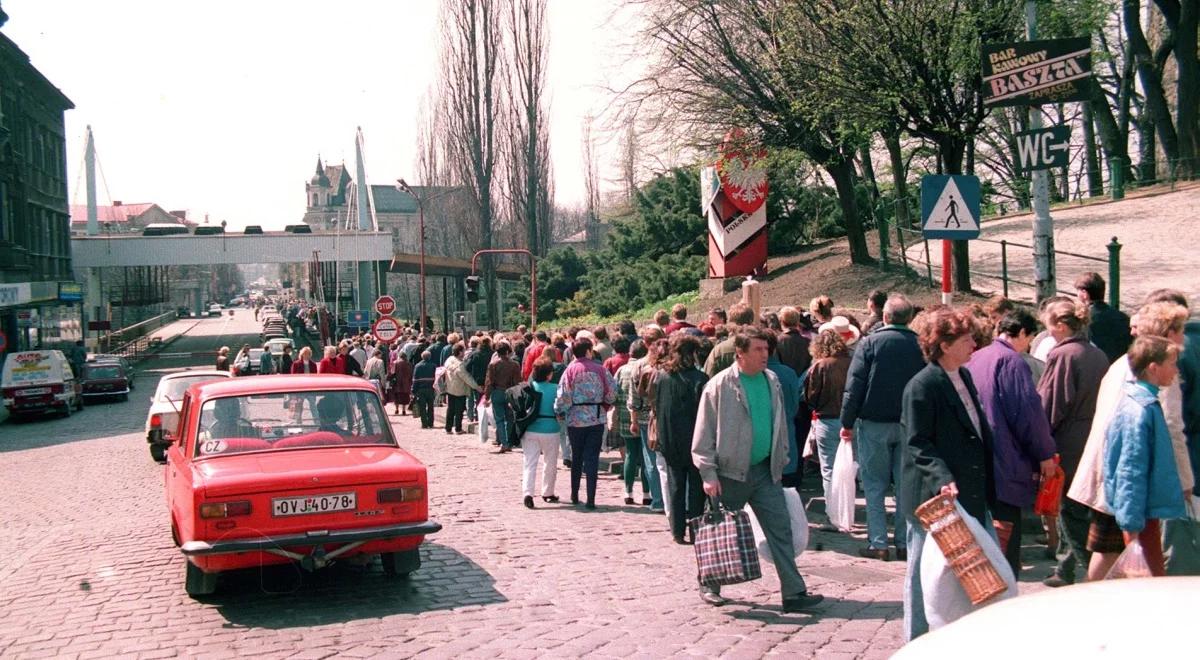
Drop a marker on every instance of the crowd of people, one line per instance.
(981, 403)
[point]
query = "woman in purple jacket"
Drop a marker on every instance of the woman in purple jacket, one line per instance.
(1021, 442)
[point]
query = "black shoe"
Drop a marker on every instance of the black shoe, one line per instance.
(528, 501)
(1055, 580)
(801, 603)
(566, 462)
(712, 598)
(874, 553)
(550, 498)
(628, 500)
(682, 541)
(449, 432)
(574, 499)
(591, 506)
(460, 431)
(645, 501)
(902, 554)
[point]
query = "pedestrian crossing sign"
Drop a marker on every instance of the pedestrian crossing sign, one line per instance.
(950, 206)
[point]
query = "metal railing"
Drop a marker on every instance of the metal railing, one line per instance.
(133, 342)
(916, 261)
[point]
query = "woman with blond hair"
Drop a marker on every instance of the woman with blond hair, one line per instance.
(1069, 388)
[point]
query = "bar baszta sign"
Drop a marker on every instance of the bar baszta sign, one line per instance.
(1037, 72)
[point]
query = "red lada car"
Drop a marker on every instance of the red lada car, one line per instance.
(286, 468)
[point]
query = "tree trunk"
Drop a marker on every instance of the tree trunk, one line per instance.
(1187, 88)
(1113, 140)
(841, 170)
(868, 173)
(899, 182)
(1091, 158)
(1147, 154)
(1151, 78)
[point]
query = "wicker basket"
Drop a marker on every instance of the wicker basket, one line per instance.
(963, 554)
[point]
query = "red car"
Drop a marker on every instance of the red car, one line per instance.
(286, 468)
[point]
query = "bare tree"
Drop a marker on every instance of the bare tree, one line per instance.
(530, 186)
(591, 178)
(469, 88)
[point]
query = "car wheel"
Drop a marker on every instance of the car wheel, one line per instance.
(198, 582)
(401, 563)
(158, 453)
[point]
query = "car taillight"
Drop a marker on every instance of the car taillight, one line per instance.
(56, 388)
(402, 494)
(224, 509)
(156, 421)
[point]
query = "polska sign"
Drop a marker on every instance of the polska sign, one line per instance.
(1037, 72)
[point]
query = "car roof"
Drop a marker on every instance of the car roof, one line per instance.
(278, 383)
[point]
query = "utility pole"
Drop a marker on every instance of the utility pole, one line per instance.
(1043, 225)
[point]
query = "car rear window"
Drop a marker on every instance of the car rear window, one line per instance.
(104, 371)
(287, 421)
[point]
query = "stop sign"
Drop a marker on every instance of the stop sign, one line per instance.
(386, 329)
(385, 305)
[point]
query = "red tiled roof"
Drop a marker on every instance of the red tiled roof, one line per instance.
(120, 213)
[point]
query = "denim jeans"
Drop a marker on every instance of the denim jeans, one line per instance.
(500, 416)
(825, 432)
(650, 460)
(1074, 519)
(633, 465)
(915, 623)
(879, 446)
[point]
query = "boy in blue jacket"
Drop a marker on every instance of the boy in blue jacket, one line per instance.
(1141, 483)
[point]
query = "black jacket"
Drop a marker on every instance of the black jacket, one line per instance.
(1109, 330)
(476, 363)
(524, 401)
(884, 361)
(941, 445)
(676, 406)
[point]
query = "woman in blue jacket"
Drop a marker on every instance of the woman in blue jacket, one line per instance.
(1141, 483)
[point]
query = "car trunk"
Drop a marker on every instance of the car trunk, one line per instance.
(298, 490)
(105, 386)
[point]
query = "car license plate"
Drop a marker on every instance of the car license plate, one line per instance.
(306, 504)
(34, 391)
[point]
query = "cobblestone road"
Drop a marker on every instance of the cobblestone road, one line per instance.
(88, 569)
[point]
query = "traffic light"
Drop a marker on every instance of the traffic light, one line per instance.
(473, 288)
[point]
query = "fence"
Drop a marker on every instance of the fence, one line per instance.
(913, 254)
(133, 342)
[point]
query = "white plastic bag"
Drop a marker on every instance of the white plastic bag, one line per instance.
(486, 420)
(840, 506)
(1131, 564)
(943, 595)
(799, 527)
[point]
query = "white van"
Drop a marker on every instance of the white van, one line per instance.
(35, 382)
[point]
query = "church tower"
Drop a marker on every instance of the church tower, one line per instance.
(318, 188)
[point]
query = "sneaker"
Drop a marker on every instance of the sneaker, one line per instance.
(528, 501)
(550, 498)
(801, 603)
(657, 509)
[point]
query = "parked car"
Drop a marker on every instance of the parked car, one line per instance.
(107, 378)
(37, 382)
(276, 345)
(254, 479)
(183, 312)
(163, 416)
(124, 361)
(255, 363)
(215, 309)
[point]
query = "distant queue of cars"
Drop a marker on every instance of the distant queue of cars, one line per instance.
(42, 381)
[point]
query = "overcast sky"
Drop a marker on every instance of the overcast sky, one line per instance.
(221, 107)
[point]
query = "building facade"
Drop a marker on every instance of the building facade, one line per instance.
(39, 299)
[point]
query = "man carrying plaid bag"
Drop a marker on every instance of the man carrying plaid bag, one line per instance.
(740, 447)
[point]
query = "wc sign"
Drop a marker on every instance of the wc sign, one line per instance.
(1041, 149)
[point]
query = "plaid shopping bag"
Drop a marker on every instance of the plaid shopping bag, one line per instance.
(725, 550)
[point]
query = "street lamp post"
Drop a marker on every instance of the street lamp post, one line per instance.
(421, 220)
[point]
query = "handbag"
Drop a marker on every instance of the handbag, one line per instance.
(725, 548)
(1181, 541)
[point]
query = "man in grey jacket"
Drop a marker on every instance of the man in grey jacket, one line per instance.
(740, 446)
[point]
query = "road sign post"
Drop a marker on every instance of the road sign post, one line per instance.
(950, 210)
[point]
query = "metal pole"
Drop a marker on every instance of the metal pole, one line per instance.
(1004, 266)
(1043, 225)
(1114, 273)
(947, 276)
